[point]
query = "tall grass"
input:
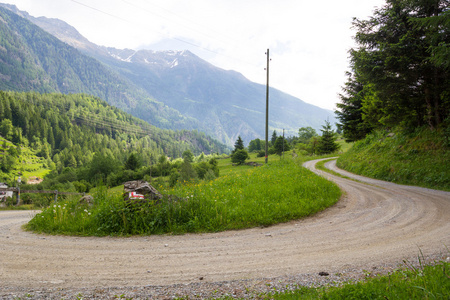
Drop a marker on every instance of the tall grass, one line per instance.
(420, 158)
(427, 282)
(277, 192)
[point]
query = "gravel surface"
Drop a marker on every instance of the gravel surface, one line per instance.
(371, 230)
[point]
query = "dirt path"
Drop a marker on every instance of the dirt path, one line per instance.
(374, 225)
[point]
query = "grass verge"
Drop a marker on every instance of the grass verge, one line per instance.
(426, 282)
(421, 158)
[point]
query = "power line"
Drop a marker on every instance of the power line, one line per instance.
(183, 18)
(161, 34)
(101, 11)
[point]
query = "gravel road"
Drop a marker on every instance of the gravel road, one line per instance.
(372, 229)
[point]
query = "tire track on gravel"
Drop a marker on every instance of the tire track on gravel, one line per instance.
(372, 225)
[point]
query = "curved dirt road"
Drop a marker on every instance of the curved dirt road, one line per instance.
(374, 225)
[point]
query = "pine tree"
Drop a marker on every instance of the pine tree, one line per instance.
(274, 138)
(327, 143)
(403, 56)
(132, 162)
(281, 145)
(350, 110)
(239, 154)
(239, 144)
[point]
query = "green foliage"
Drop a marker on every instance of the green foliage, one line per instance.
(232, 201)
(420, 158)
(239, 157)
(281, 145)
(187, 173)
(188, 156)
(101, 166)
(204, 168)
(261, 153)
(327, 142)
(426, 282)
(305, 134)
(69, 130)
(238, 145)
(132, 162)
(273, 138)
(6, 129)
(400, 71)
(354, 123)
(256, 145)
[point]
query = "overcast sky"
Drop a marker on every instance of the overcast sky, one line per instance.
(308, 40)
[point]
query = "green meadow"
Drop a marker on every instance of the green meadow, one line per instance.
(242, 197)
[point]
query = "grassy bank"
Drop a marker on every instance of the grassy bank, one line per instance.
(277, 192)
(427, 282)
(421, 158)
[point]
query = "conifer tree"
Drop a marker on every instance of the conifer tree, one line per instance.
(281, 145)
(402, 60)
(239, 144)
(132, 162)
(239, 154)
(274, 138)
(327, 143)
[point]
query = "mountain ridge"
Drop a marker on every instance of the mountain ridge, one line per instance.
(222, 103)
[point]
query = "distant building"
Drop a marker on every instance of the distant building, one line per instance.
(4, 194)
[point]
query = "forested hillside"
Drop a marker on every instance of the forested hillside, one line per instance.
(69, 131)
(33, 60)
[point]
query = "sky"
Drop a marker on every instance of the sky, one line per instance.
(308, 40)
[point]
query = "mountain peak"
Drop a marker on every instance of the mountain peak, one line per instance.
(171, 88)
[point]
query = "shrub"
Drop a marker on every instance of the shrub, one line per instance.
(239, 157)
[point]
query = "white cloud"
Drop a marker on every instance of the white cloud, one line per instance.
(308, 40)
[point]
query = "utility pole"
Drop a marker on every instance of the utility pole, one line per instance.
(19, 180)
(267, 108)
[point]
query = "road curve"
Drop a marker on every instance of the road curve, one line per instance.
(374, 224)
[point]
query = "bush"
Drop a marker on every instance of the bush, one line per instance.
(261, 153)
(239, 157)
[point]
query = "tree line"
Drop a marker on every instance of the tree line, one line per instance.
(82, 138)
(308, 142)
(399, 74)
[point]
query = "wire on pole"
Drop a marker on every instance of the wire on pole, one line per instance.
(267, 109)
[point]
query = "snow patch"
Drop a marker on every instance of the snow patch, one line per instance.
(174, 63)
(128, 59)
(149, 62)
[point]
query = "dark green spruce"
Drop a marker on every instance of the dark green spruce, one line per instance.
(400, 70)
